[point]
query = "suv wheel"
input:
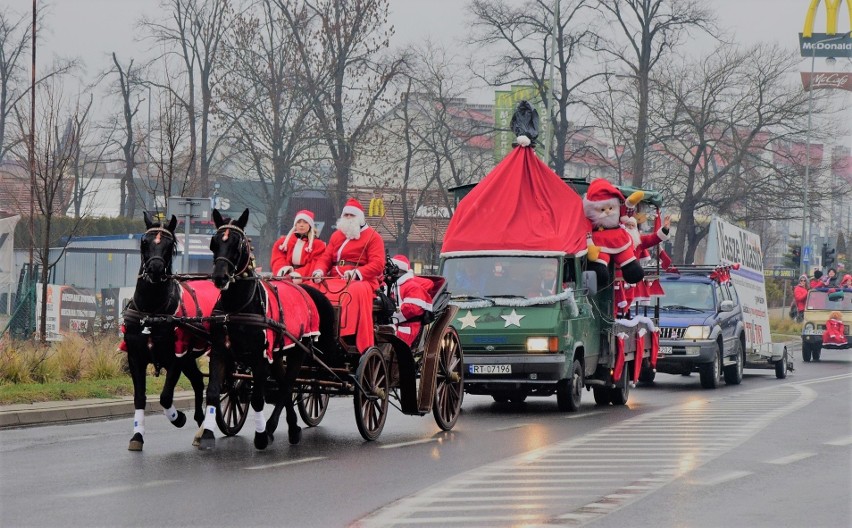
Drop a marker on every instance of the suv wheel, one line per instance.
(781, 367)
(734, 373)
(711, 373)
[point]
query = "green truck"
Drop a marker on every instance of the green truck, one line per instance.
(532, 318)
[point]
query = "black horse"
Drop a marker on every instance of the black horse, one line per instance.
(253, 324)
(153, 333)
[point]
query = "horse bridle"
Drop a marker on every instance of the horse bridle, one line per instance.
(160, 232)
(243, 246)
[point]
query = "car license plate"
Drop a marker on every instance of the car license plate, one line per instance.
(665, 351)
(490, 369)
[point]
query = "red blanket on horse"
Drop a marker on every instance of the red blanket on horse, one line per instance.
(290, 305)
(197, 300)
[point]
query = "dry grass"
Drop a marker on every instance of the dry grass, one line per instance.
(784, 328)
(75, 358)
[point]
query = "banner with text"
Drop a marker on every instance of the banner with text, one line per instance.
(69, 309)
(729, 244)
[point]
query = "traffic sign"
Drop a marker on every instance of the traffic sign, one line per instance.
(806, 254)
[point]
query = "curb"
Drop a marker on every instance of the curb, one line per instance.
(43, 413)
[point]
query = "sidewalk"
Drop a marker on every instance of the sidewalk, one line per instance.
(43, 413)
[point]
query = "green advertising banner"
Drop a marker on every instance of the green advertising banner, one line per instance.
(505, 102)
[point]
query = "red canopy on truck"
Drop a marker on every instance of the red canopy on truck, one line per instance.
(521, 205)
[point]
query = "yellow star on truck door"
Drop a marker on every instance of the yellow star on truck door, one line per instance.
(468, 320)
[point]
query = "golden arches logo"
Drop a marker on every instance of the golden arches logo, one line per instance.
(832, 8)
(376, 208)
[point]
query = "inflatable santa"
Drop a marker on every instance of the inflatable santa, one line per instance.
(603, 205)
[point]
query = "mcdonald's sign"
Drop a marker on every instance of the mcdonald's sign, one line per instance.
(377, 207)
(830, 43)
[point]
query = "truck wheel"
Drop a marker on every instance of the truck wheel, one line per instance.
(619, 395)
(570, 391)
(781, 367)
(602, 395)
(806, 352)
(734, 373)
(711, 373)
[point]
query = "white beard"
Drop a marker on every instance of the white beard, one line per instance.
(350, 227)
(634, 234)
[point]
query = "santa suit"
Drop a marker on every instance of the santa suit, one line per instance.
(412, 295)
(366, 256)
(299, 253)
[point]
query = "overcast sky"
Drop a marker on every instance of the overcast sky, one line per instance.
(91, 29)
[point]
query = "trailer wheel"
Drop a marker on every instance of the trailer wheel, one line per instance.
(781, 367)
(569, 392)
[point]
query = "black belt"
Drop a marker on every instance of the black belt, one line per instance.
(346, 263)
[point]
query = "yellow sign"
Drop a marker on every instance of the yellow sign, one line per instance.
(377, 207)
(832, 8)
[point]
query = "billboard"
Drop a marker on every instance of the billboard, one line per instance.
(830, 43)
(827, 81)
(69, 309)
(730, 244)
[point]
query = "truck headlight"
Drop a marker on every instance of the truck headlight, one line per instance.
(697, 332)
(542, 344)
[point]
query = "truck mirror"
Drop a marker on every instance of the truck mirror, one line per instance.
(726, 306)
(590, 281)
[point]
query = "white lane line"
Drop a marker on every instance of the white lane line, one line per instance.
(582, 415)
(791, 458)
(117, 489)
(462, 519)
(411, 443)
(509, 427)
(490, 498)
(286, 463)
(724, 477)
(840, 441)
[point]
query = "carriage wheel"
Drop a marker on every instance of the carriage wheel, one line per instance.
(312, 405)
(449, 384)
(371, 400)
(233, 405)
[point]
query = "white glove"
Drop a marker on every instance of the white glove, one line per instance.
(284, 271)
(297, 278)
(317, 276)
(350, 275)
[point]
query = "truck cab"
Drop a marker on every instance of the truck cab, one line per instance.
(818, 306)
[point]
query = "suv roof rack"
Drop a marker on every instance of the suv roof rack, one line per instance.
(719, 272)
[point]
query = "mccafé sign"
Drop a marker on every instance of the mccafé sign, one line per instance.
(831, 43)
(828, 80)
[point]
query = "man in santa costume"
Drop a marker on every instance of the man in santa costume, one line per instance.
(295, 253)
(603, 205)
(350, 270)
(412, 297)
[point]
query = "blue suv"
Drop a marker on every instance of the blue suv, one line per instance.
(701, 328)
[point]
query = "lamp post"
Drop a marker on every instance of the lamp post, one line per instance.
(805, 229)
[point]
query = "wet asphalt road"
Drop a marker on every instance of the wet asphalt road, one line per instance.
(766, 453)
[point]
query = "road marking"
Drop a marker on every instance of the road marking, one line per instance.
(640, 464)
(823, 380)
(791, 458)
(724, 477)
(98, 492)
(840, 441)
(412, 442)
(582, 415)
(507, 428)
(286, 463)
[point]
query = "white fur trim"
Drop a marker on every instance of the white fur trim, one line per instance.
(400, 264)
(304, 217)
(351, 209)
(662, 235)
(615, 251)
(416, 302)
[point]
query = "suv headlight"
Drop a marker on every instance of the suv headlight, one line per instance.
(697, 332)
(809, 328)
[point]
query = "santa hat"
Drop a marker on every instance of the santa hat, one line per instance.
(600, 190)
(401, 262)
(307, 216)
(354, 207)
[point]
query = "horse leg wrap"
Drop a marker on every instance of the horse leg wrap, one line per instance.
(210, 418)
(259, 422)
(139, 421)
(171, 413)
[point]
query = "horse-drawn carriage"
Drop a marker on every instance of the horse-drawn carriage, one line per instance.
(296, 328)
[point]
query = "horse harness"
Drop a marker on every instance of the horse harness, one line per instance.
(161, 231)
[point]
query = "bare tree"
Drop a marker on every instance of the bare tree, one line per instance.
(269, 115)
(341, 48)
(726, 122)
(14, 37)
(55, 145)
(127, 85)
(193, 33)
(652, 29)
(167, 150)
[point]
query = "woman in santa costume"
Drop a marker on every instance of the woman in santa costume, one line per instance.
(412, 296)
(295, 253)
(350, 270)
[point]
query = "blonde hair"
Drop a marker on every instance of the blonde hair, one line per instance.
(836, 315)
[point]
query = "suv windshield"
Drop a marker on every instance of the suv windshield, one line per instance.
(689, 295)
(818, 300)
(502, 276)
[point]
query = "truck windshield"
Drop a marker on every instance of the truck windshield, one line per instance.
(818, 300)
(687, 295)
(502, 276)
